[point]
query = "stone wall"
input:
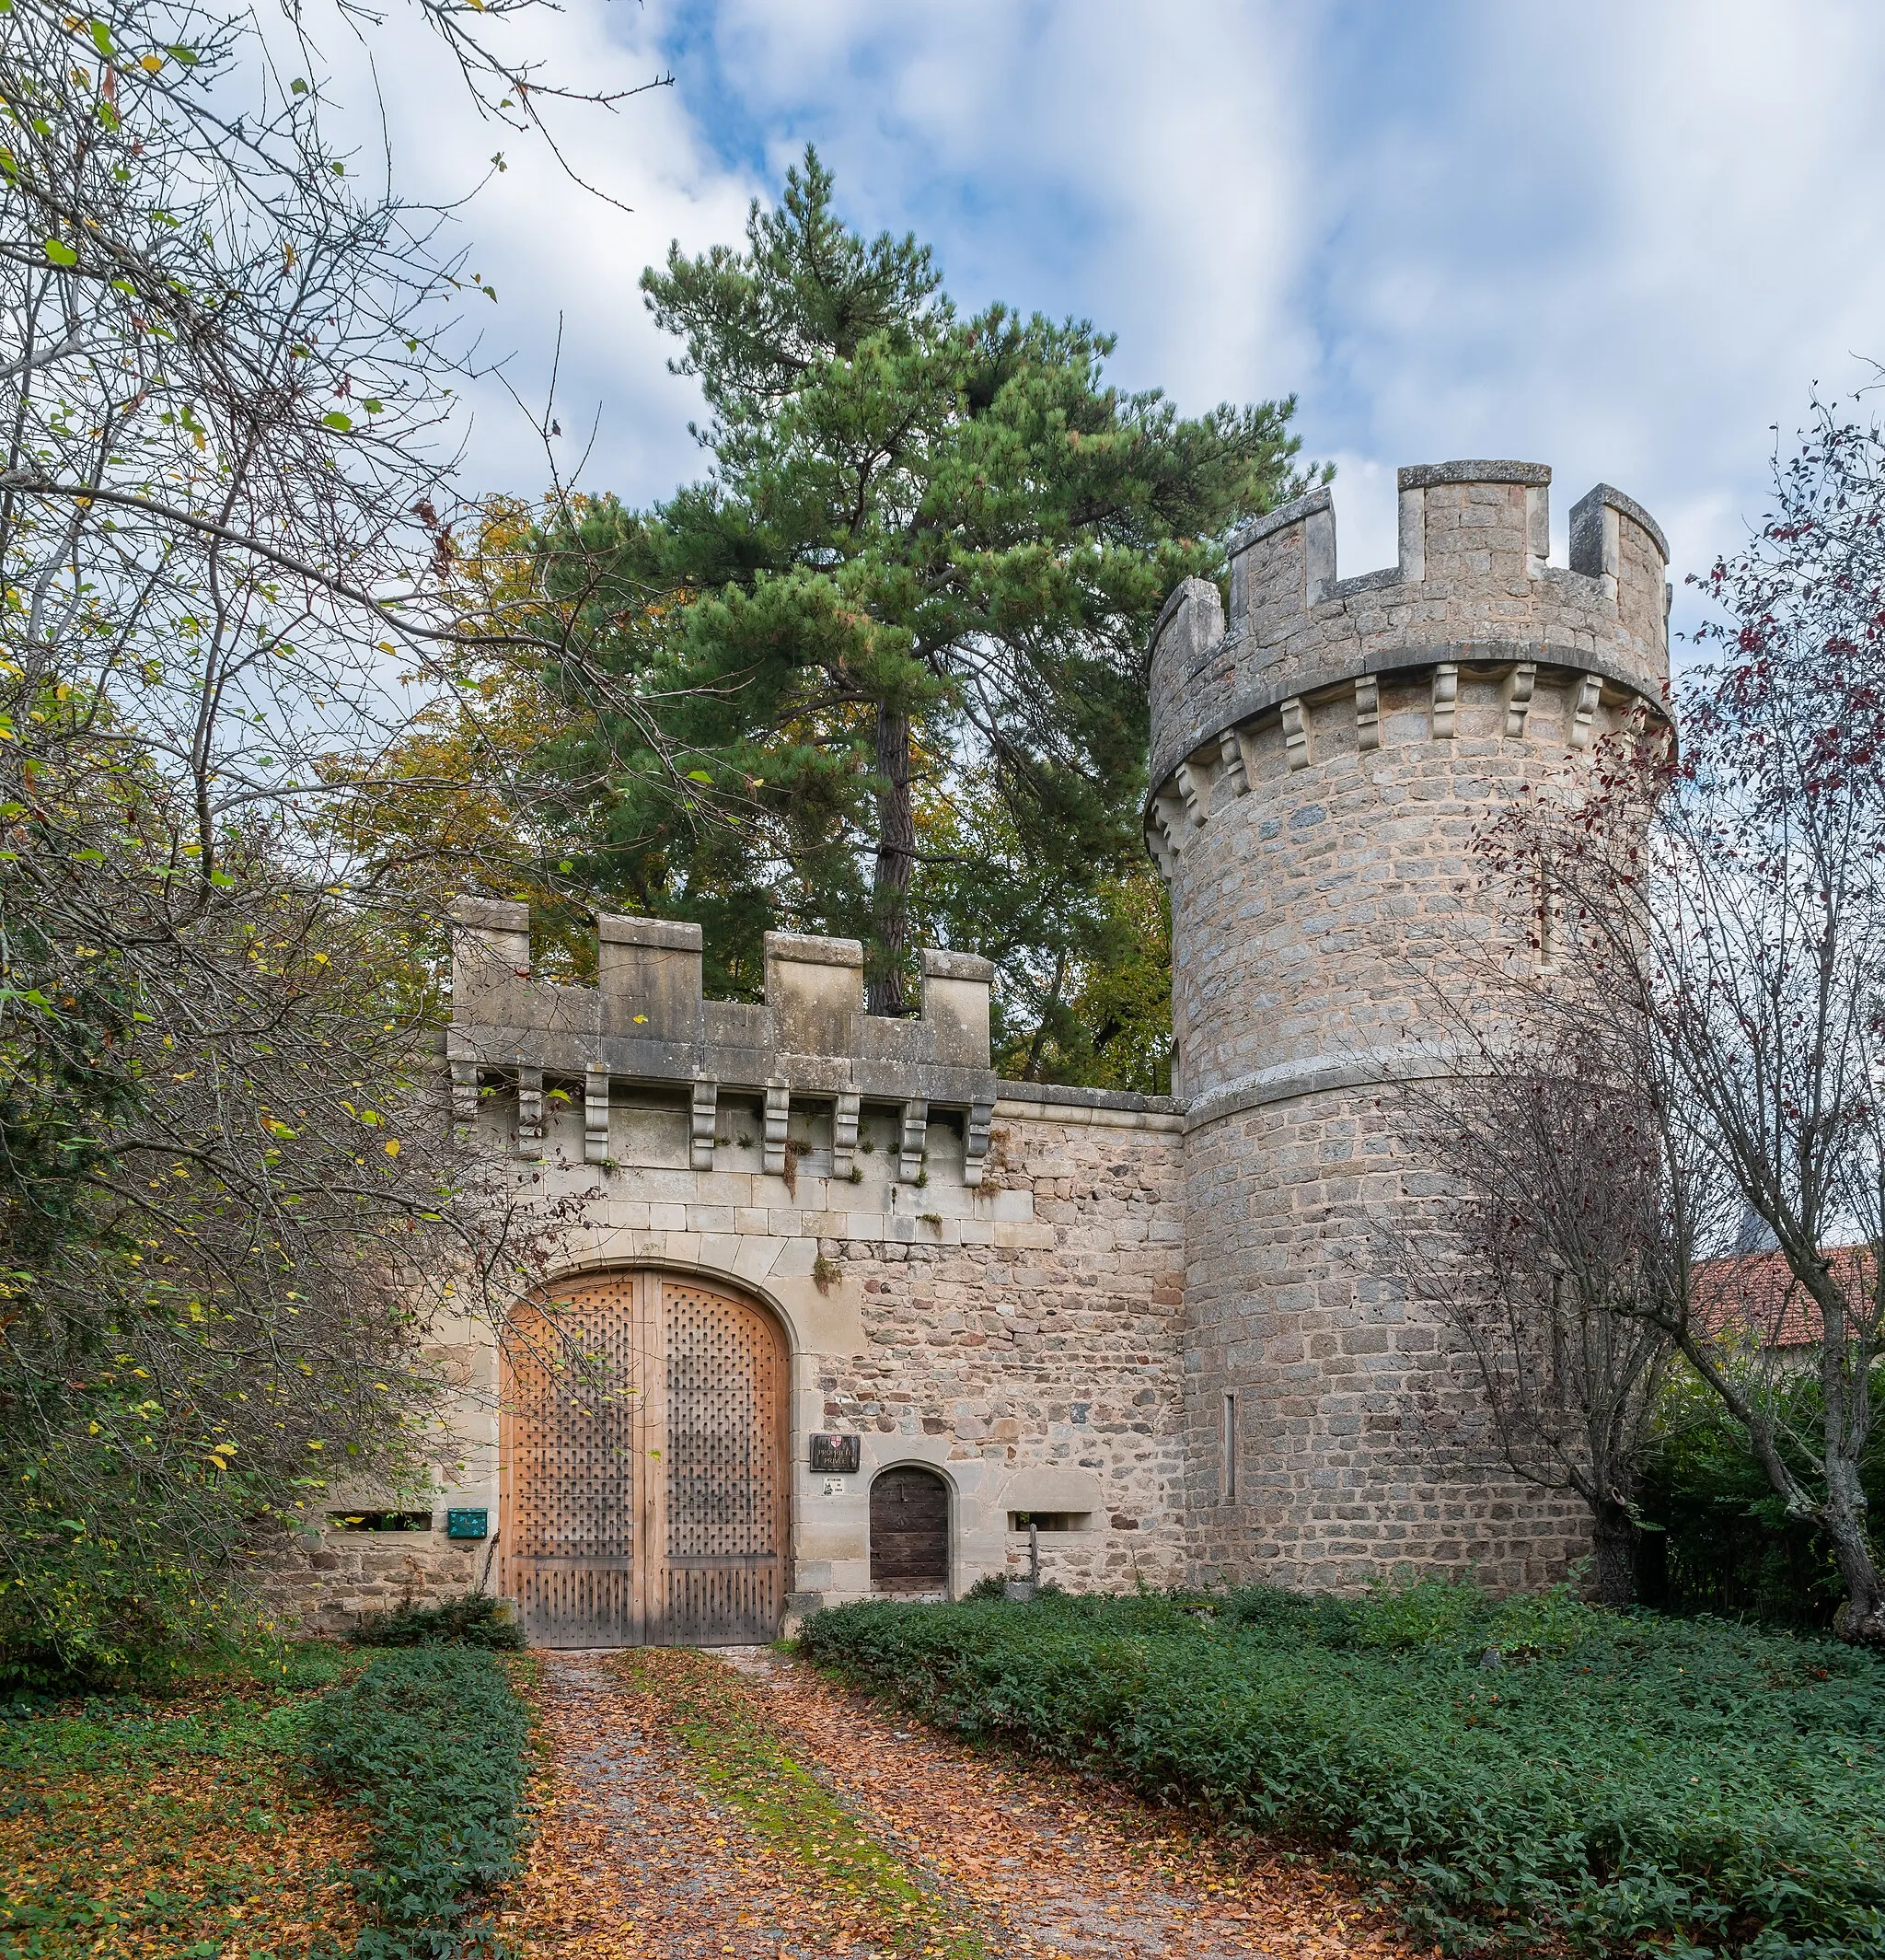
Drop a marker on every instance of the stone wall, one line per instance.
(978, 1277)
(1032, 1354)
(327, 1586)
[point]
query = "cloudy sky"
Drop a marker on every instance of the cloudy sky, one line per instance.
(1622, 238)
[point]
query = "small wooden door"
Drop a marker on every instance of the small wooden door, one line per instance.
(644, 1465)
(910, 1531)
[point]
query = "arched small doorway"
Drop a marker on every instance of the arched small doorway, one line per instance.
(909, 1531)
(644, 1464)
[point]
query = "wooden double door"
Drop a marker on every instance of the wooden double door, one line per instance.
(644, 1452)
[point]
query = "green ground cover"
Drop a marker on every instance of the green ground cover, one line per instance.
(434, 1745)
(307, 1800)
(1532, 1773)
(186, 1826)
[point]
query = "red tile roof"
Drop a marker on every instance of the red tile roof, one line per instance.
(1756, 1292)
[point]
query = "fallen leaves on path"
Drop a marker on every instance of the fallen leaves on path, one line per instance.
(632, 1859)
(688, 1813)
(1065, 1866)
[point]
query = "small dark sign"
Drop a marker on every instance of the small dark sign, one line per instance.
(835, 1455)
(467, 1523)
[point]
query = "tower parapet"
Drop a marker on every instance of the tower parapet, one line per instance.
(1324, 751)
(647, 1022)
(1472, 587)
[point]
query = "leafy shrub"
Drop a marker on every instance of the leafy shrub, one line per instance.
(469, 1620)
(1516, 1772)
(431, 1743)
(1722, 1541)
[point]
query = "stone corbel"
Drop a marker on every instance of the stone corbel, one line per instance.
(1446, 699)
(1162, 856)
(464, 1100)
(1367, 712)
(703, 1114)
(1169, 827)
(595, 1113)
(1584, 713)
(975, 1142)
(844, 1131)
(1518, 699)
(1295, 733)
(1194, 787)
(530, 1114)
(1230, 754)
(909, 1156)
(778, 1111)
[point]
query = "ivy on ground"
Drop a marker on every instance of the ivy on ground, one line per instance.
(432, 1744)
(1517, 1773)
(186, 1827)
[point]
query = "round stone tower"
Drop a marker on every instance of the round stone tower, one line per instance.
(1322, 762)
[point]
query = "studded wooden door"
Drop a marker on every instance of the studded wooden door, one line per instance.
(573, 1417)
(726, 1487)
(644, 1465)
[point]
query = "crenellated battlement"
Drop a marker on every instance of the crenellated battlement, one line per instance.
(647, 1022)
(1472, 589)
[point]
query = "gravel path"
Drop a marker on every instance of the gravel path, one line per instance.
(646, 1850)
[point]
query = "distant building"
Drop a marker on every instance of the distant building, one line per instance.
(1754, 1297)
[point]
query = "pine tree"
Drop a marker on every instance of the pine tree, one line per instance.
(906, 608)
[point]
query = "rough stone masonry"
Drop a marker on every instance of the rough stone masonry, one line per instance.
(1167, 1324)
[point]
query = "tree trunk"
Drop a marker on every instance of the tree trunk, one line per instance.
(1862, 1618)
(896, 848)
(1614, 1557)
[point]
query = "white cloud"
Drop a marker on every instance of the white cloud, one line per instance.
(1618, 238)
(560, 257)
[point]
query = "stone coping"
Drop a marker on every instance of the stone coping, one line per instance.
(1422, 476)
(1071, 1104)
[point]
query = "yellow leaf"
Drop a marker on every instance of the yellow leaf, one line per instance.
(150, 64)
(391, 1147)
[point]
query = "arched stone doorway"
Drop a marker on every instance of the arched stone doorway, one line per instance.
(909, 1531)
(644, 1464)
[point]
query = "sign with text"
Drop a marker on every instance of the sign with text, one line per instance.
(836, 1456)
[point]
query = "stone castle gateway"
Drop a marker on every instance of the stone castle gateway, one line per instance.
(869, 1312)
